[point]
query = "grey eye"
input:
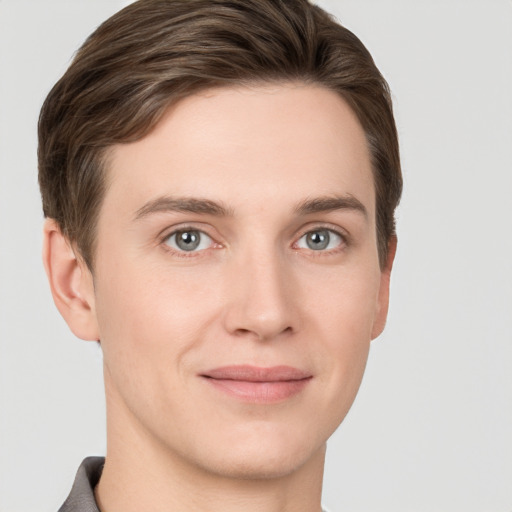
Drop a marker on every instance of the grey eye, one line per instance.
(319, 240)
(189, 240)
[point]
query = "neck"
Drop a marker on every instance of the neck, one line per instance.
(142, 474)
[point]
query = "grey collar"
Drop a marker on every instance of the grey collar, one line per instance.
(81, 498)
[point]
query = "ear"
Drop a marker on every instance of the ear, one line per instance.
(383, 298)
(71, 283)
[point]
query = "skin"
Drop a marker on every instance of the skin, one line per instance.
(253, 293)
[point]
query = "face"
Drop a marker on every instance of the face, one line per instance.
(237, 282)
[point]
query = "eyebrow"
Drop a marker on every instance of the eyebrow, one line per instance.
(209, 207)
(183, 204)
(331, 203)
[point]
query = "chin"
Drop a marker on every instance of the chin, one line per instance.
(262, 457)
(244, 467)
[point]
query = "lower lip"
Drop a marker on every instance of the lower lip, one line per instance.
(260, 392)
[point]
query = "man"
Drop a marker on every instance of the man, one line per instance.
(219, 180)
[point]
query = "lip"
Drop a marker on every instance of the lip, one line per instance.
(258, 384)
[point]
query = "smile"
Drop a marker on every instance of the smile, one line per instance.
(257, 384)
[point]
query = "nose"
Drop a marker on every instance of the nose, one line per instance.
(261, 298)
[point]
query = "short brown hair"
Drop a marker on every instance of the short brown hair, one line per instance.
(155, 52)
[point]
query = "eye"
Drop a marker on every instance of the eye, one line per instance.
(320, 240)
(188, 240)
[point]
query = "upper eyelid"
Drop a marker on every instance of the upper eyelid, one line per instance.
(171, 230)
(344, 234)
(324, 228)
(345, 240)
(181, 253)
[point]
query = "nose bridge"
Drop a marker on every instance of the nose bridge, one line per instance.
(262, 303)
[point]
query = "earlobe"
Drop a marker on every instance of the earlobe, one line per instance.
(70, 282)
(383, 298)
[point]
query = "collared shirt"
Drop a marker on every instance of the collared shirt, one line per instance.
(81, 498)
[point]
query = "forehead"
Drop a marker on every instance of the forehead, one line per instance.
(277, 144)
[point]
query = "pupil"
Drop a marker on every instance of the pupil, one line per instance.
(318, 240)
(187, 240)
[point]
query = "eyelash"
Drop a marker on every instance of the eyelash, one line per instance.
(344, 241)
(184, 254)
(316, 253)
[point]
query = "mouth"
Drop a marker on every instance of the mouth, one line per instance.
(258, 384)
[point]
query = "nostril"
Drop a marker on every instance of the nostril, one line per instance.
(263, 333)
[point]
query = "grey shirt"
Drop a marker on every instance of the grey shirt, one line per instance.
(81, 498)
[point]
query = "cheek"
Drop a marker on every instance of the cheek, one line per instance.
(345, 315)
(152, 323)
(344, 302)
(150, 309)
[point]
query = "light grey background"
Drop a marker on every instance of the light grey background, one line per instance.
(431, 429)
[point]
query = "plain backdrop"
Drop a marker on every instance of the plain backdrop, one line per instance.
(431, 429)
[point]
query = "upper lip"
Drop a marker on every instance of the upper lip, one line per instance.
(250, 373)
